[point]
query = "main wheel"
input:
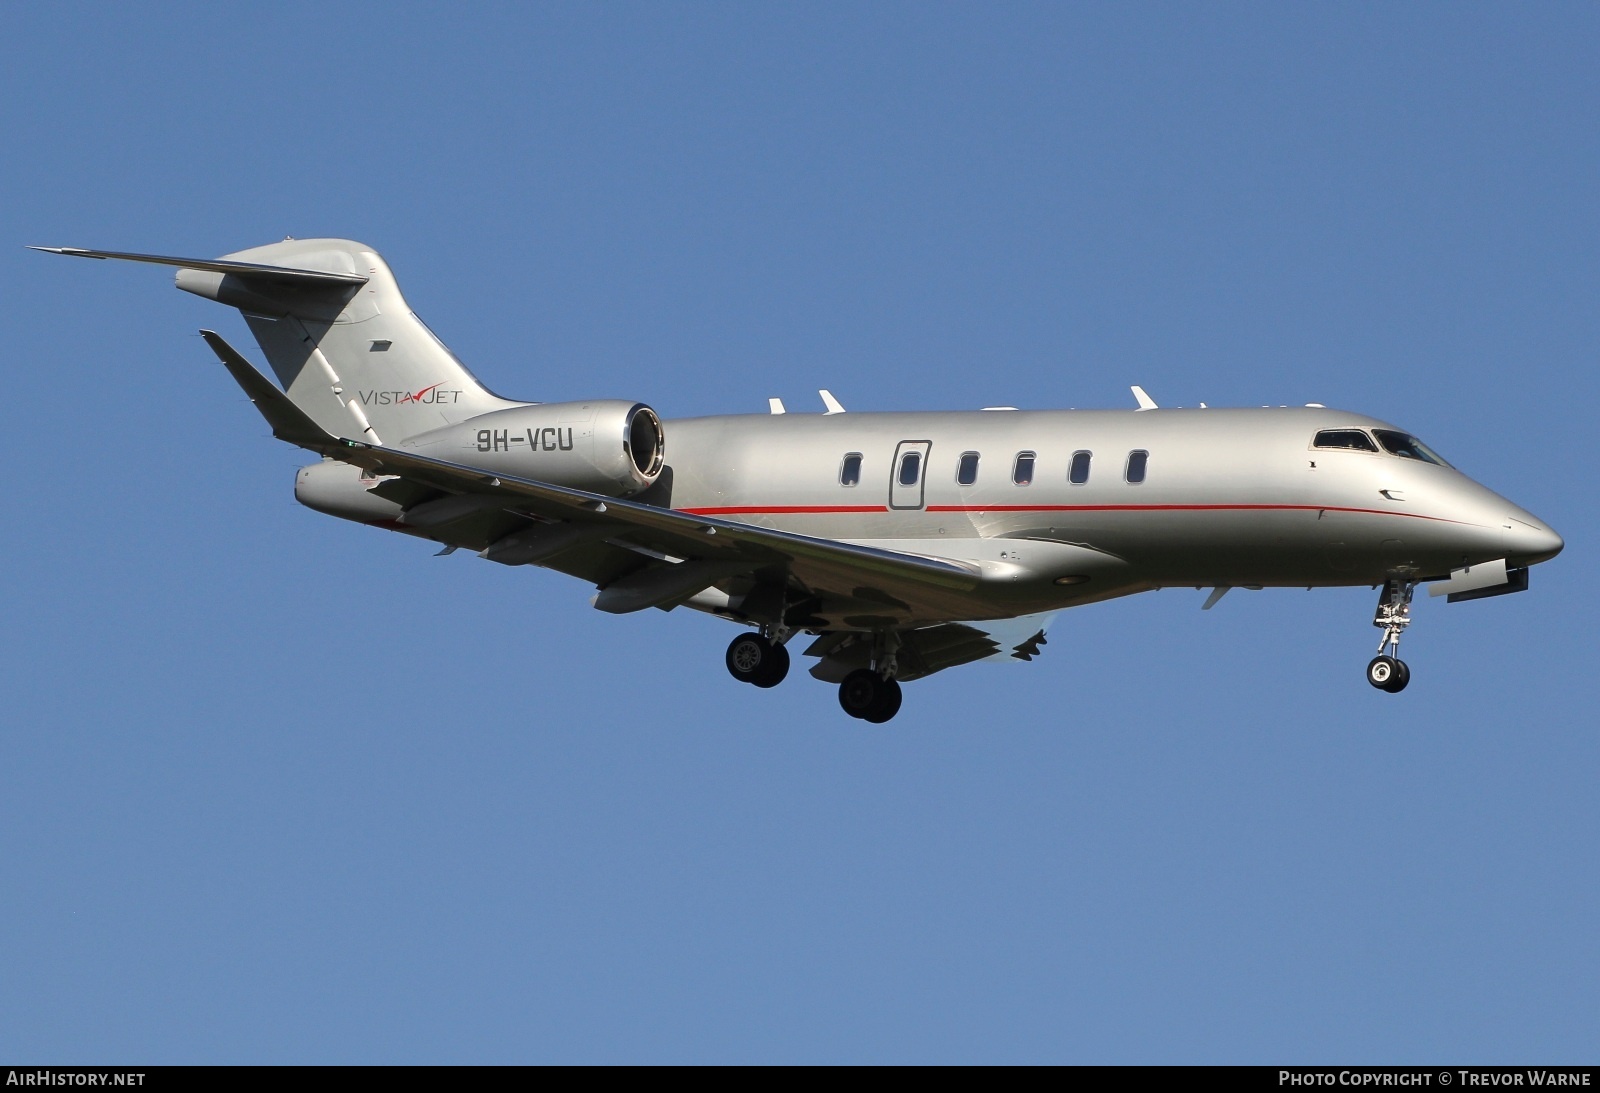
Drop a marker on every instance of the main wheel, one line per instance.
(860, 691)
(775, 667)
(1382, 673)
(888, 703)
(753, 659)
(1397, 682)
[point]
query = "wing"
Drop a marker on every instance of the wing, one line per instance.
(876, 579)
(931, 649)
(658, 556)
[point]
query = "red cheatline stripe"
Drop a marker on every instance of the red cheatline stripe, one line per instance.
(781, 510)
(1182, 508)
(786, 510)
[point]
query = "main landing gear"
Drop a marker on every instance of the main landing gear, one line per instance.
(873, 694)
(1387, 671)
(870, 694)
(752, 658)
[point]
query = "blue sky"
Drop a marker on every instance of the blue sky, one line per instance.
(278, 788)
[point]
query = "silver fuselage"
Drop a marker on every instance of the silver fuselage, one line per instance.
(1230, 496)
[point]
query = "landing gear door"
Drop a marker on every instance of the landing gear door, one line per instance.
(908, 473)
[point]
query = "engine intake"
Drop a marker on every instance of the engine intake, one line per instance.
(646, 444)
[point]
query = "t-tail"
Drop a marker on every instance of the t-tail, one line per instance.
(341, 339)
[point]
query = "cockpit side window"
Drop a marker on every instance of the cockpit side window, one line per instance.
(1407, 447)
(1350, 439)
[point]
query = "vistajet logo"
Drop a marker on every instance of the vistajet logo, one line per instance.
(428, 396)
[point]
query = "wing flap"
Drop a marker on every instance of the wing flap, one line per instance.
(922, 651)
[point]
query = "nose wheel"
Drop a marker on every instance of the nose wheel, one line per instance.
(753, 659)
(1387, 671)
(1388, 674)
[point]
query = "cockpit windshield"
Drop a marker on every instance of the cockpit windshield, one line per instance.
(1407, 447)
(1352, 439)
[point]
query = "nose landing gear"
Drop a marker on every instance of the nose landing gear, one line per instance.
(1387, 671)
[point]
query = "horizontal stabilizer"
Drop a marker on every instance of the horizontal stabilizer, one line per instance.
(288, 421)
(300, 278)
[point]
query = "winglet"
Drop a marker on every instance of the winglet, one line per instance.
(1145, 401)
(288, 421)
(831, 403)
(775, 405)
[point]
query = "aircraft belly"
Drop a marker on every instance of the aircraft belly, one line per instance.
(1273, 543)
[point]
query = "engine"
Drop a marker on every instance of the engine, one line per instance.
(610, 446)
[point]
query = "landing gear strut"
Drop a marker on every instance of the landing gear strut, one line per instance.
(1387, 671)
(872, 694)
(752, 658)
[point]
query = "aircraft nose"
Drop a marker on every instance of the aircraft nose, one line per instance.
(1532, 541)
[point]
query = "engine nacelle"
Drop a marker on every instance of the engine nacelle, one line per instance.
(608, 446)
(341, 490)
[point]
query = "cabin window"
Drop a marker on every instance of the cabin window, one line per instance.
(1352, 439)
(850, 469)
(910, 468)
(1078, 473)
(1022, 472)
(1137, 462)
(1407, 447)
(967, 469)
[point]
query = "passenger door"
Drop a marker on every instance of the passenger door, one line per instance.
(908, 473)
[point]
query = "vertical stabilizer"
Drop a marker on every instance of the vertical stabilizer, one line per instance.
(351, 355)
